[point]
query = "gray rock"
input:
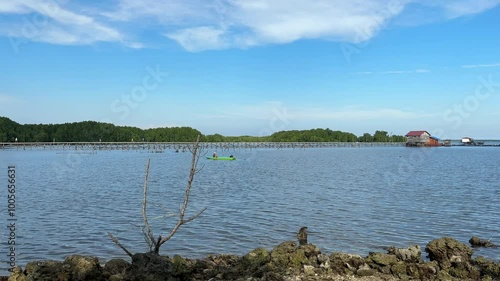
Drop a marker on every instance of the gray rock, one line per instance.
(309, 270)
(149, 267)
(410, 254)
(447, 250)
(83, 268)
(477, 242)
(17, 274)
(47, 271)
(324, 261)
(115, 266)
(342, 263)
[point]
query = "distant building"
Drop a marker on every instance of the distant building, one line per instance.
(421, 138)
(433, 141)
(467, 141)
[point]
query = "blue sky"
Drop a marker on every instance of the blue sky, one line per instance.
(253, 67)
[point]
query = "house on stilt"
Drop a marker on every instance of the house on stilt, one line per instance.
(421, 139)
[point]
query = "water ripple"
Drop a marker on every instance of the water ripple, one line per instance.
(68, 203)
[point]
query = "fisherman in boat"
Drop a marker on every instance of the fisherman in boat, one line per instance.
(231, 156)
(215, 154)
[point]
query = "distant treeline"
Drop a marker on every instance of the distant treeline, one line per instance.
(327, 135)
(91, 131)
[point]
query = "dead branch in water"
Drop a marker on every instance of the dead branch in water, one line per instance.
(115, 240)
(154, 244)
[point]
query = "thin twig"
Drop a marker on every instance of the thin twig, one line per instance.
(192, 172)
(155, 243)
(149, 236)
(115, 240)
(195, 216)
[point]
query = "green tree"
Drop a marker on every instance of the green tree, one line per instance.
(366, 137)
(380, 136)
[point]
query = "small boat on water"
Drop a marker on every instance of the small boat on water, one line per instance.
(221, 158)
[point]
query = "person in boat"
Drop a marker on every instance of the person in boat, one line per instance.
(231, 156)
(214, 155)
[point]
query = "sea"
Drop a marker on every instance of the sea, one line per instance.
(355, 200)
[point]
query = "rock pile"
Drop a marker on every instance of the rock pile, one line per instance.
(449, 260)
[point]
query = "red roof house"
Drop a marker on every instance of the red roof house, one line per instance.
(417, 133)
(421, 138)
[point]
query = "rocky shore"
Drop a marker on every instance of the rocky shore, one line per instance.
(448, 260)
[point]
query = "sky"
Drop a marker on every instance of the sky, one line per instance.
(255, 67)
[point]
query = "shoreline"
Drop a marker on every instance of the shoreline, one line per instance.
(448, 260)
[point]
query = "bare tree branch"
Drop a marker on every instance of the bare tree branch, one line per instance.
(115, 240)
(149, 234)
(155, 243)
(195, 216)
(192, 172)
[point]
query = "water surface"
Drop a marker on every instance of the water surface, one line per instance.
(353, 200)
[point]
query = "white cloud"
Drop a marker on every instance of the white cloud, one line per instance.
(245, 23)
(52, 23)
(215, 24)
(242, 23)
(13, 7)
(391, 72)
(283, 21)
(419, 12)
(481, 65)
(199, 38)
(189, 12)
(460, 8)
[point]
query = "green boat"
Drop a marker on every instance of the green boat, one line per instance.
(221, 158)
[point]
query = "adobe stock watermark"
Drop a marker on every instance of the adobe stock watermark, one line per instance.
(33, 24)
(454, 116)
(278, 122)
(461, 111)
(150, 82)
(12, 217)
(122, 107)
(363, 34)
(68, 165)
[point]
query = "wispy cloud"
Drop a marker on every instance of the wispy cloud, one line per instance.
(169, 13)
(199, 25)
(419, 12)
(456, 9)
(241, 23)
(405, 71)
(391, 72)
(481, 65)
(49, 21)
(200, 38)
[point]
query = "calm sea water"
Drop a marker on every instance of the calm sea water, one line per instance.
(353, 200)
